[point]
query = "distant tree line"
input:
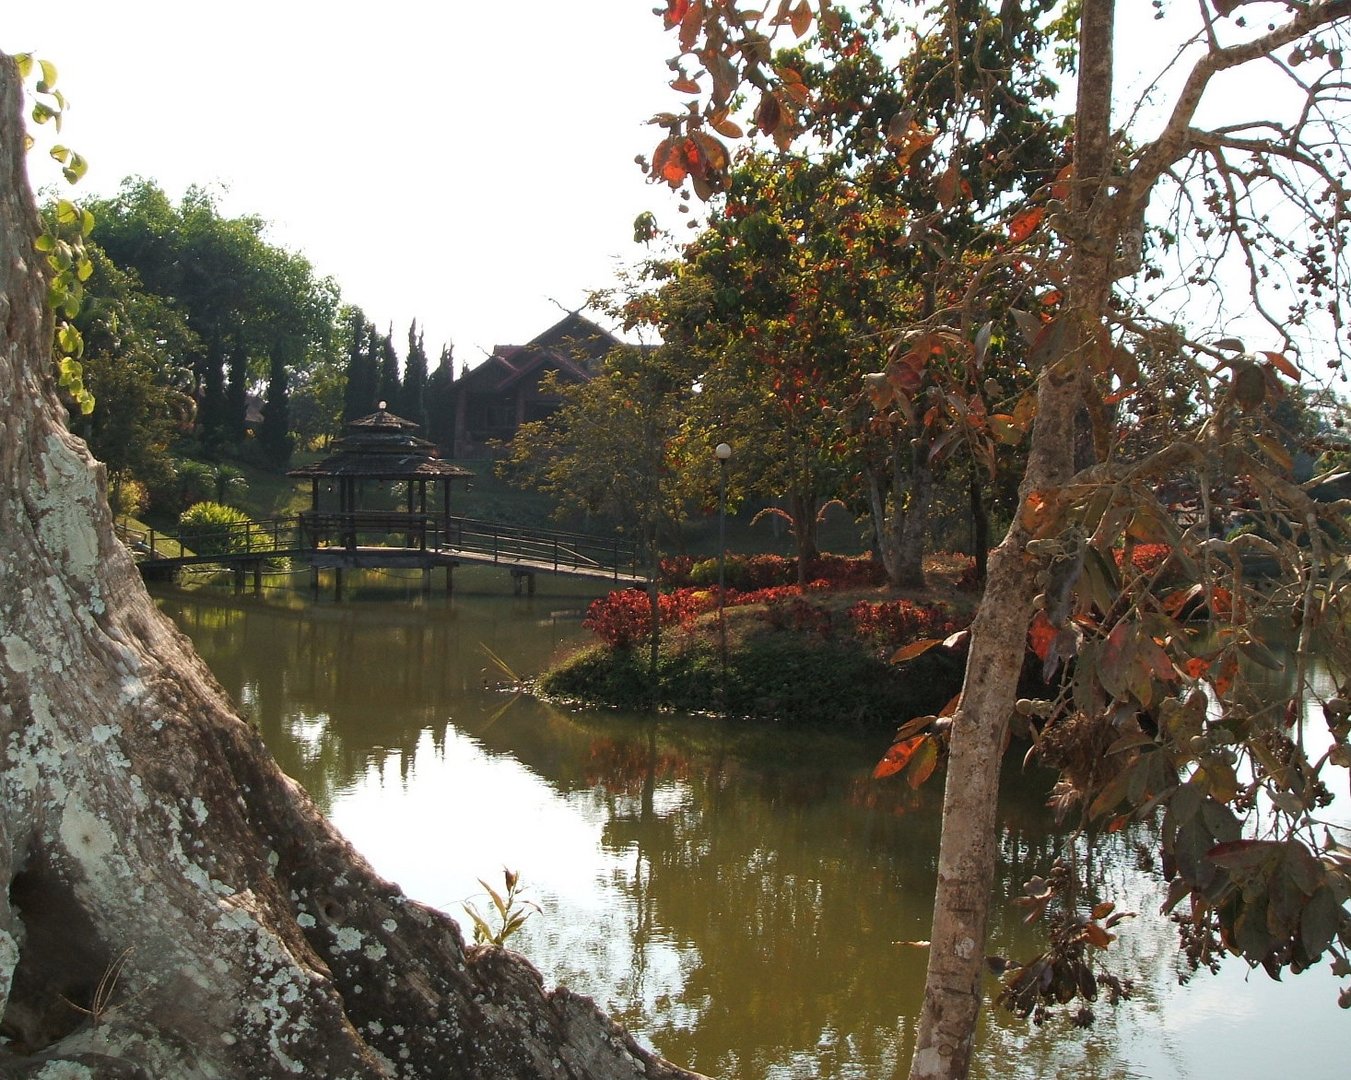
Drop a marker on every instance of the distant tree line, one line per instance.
(206, 345)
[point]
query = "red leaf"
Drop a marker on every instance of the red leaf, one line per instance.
(675, 13)
(898, 756)
(1040, 635)
(1025, 223)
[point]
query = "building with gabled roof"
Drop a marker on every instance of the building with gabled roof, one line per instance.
(489, 402)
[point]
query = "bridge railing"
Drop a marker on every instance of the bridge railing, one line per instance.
(555, 548)
(534, 549)
(206, 543)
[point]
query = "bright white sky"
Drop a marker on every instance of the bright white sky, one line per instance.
(465, 164)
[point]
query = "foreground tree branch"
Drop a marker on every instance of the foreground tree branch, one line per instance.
(174, 905)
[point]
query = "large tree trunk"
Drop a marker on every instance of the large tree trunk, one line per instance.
(966, 857)
(803, 511)
(175, 906)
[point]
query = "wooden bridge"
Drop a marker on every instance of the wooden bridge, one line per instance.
(376, 539)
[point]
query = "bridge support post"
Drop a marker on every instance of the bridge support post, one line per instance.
(314, 581)
(450, 580)
(239, 580)
(258, 579)
(427, 580)
(337, 583)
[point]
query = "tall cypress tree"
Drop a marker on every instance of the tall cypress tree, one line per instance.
(274, 434)
(440, 402)
(413, 393)
(213, 413)
(388, 366)
(236, 389)
(359, 396)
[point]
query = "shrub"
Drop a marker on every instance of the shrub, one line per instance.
(211, 528)
(127, 497)
(623, 618)
(674, 571)
(846, 571)
(892, 623)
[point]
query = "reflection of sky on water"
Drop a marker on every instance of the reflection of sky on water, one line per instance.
(463, 813)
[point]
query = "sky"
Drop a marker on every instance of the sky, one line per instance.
(469, 165)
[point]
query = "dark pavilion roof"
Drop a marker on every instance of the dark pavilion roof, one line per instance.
(382, 446)
(574, 345)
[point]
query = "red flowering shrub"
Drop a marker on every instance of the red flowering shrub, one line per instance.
(847, 571)
(767, 571)
(624, 618)
(893, 623)
(674, 571)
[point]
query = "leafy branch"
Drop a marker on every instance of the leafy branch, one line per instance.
(62, 240)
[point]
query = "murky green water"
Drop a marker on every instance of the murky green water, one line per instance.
(739, 897)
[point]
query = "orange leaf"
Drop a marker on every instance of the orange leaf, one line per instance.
(1025, 223)
(802, 18)
(1061, 188)
(951, 707)
(685, 85)
(1040, 635)
(1282, 364)
(1096, 935)
(914, 649)
(723, 126)
(897, 756)
(1195, 667)
(1224, 678)
(949, 186)
(690, 24)
(909, 141)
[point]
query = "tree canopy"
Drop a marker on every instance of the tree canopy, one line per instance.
(1095, 271)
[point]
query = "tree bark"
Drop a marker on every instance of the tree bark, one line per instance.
(174, 905)
(899, 503)
(967, 851)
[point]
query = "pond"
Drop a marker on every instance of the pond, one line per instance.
(745, 898)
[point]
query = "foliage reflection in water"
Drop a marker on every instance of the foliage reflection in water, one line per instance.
(738, 896)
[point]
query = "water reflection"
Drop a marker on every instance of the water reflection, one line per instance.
(738, 896)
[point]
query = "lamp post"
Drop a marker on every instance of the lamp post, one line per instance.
(724, 454)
